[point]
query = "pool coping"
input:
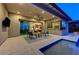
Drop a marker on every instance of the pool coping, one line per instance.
(52, 44)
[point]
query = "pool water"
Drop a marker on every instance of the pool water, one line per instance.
(63, 47)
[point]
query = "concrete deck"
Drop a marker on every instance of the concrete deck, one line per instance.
(19, 46)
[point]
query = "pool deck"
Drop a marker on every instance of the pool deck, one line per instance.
(19, 46)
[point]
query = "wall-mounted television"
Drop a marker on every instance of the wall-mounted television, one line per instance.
(6, 22)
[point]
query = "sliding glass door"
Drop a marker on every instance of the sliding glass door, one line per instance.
(24, 27)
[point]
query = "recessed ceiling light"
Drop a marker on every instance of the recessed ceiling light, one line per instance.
(43, 12)
(18, 12)
(53, 16)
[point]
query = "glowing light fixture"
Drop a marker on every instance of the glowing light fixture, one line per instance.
(18, 12)
(43, 12)
(53, 16)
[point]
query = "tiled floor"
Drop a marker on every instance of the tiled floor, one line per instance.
(36, 39)
(18, 45)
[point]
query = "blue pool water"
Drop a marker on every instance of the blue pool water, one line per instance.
(61, 47)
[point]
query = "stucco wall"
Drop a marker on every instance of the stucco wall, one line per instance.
(14, 29)
(3, 14)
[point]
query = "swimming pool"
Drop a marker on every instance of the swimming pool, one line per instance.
(61, 47)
